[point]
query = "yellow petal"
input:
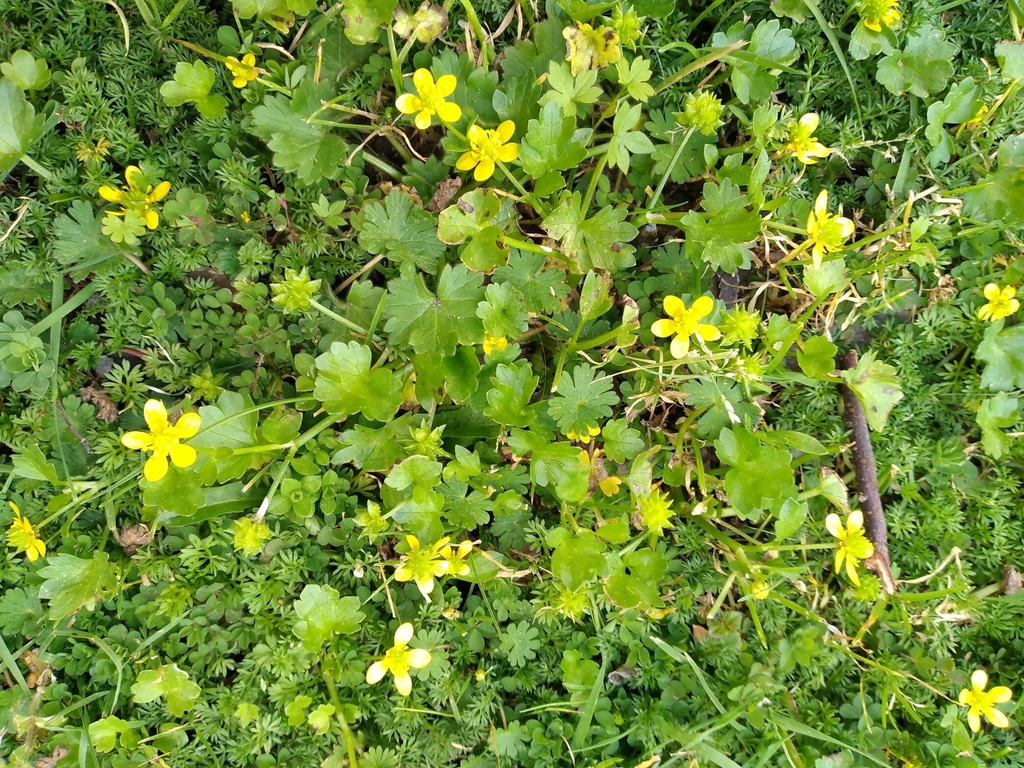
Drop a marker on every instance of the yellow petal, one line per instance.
(1001, 694)
(156, 467)
(708, 332)
(874, 26)
(403, 634)
(821, 204)
(37, 549)
(239, 82)
(187, 426)
(183, 455)
(467, 161)
(979, 679)
(155, 415)
(446, 85)
(422, 79)
(160, 192)
(407, 103)
(152, 219)
(847, 227)
(484, 170)
(449, 111)
(680, 346)
(962, 698)
(809, 122)
(674, 307)
(423, 119)
(997, 718)
(375, 673)
(130, 173)
(476, 135)
(137, 441)
(855, 521)
(835, 526)
(418, 658)
(249, 60)
(505, 131)
(111, 195)
(703, 306)
(508, 152)
(404, 684)
(663, 328)
(992, 291)
(851, 570)
(974, 720)
(413, 542)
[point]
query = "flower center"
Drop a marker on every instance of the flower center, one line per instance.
(487, 146)
(396, 660)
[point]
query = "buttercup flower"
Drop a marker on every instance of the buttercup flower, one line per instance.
(431, 99)
(982, 702)
(590, 434)
(684, 323)
(853, 544)
(486, 148)
(399, 660)
(164, 440)
(802, 141)
(1001, 302)
(24, 537)
(759, 589)
(826, 232)
(494, 343)
(879, 13)
(135, 198)
(422, 565)
(456, 558)
(609, 484)
(244, 71)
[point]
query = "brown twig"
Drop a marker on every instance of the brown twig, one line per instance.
(867, 479)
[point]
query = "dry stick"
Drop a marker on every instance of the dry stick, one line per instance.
(867, 479)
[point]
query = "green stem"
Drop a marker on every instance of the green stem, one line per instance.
(381, 165)
(541, 209)
(332, 691)
(396, 64)
(338, 318)
(36, 167)
(267, 448)
(668, 171)
(592, 187)
(478, 30)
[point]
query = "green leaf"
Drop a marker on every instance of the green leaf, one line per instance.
(103, 733)
(20, 126)
(567, 91)
(543, 290)
(582, 402)
(345, 383)
(296, 710)
(508, 400)
(1003, 351)
(818, 357)
(322, 614)
(960, 105)
(226, 426)
(71, 583)
(759, 478)
(997, 413)
(791, 518)
(596, 295)
(554, 465)
(1011, 59)
(461, 372)
(754, 73)
(1000, 194)
(403, 231)
(320, 718)
(192, 83)
(922, 68)
(552, 142)
(636, 586)
(479, 217)
(299, 147)
(32, 464)
(179, 491)
(169, 682)
(80, 246)
(625, 141)
(595, 243)
(462, 511)
(579, 560)
(502, 311)
(721, 234)
(633, 76)
(279, 14)
(26, 71)
(877, 387)
(364, 18)
(435, 323)
(621, 442)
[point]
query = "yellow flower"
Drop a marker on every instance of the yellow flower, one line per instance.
(802, 141)
(164, 440)
(826, 232)
(486, 148)
(853, 544)
(422, 565)
(456, 558)
(684, 323)
(431, 99)
(879, 13)
(494, 343)
(982, 702)
(88, 152)
(759, 589)
(978, 120)
(609, 484)
(24, 537)
(1001, 302)
(244, 71)
(133, 197)
(399, 660)
(592, 432)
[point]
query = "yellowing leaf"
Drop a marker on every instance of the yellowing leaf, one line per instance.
(589, 48)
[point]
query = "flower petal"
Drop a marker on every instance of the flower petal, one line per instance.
(187, 426)
(979, 679)
(418, 658)
(505, 131)
(160, 192)
(130, 173)
(449, 111)
(680, 346)
(156, 467)
(992, 291)
(709, 332)
(674, 307)
(446, 85)
(1001, 694)
(835, 526)
(467, 161)
(422, 79)
(855, 520)
(663, 328)
(476, 135)
(484, 170)
(407, 103)
(810, 122)
(152, 219)
(508, 152)
(375, 673)
(37, 549)
(964, 694)
(703, 306)
(422, 120)
(846, 226)
(404, 684)
(997, 718)
(403, 634)
(155, 415)
(249, 60)
(137, 441)
(111, 195)
(821, 204)
(974, 720)
(183, 455)
(851, 570)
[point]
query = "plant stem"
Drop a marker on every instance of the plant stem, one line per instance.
(592, 187)
(335, 316)
(478, 30)
(332, 692)
(381, 165)
(671, 167)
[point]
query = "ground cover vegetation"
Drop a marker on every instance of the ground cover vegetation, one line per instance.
(511, 384)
